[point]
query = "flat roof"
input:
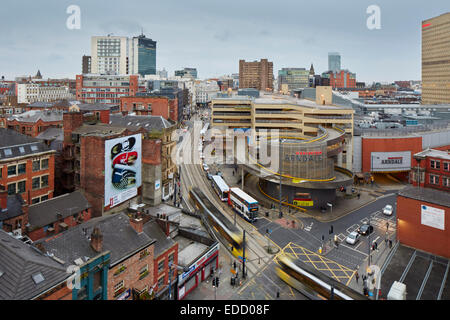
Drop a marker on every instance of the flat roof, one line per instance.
(427, 195)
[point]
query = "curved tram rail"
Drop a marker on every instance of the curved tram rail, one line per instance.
(218, 221)
(313, 284)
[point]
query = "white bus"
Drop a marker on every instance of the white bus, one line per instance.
(220, 187)
(243, 204)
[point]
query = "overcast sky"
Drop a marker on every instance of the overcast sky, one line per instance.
(212, 35)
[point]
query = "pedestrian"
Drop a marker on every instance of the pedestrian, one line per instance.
(356, 276)
(359, 195)
(390, 243)
(376, 246)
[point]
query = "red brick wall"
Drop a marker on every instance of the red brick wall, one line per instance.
(159, 105)
(413, 144)
(130, 275)
(151, 151)
(165, 257)
(412, 233)
(61, 292)
(29, 175)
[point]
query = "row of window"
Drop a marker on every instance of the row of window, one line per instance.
(434, 179)
(436, 164)
(20, 186)
(21, 168)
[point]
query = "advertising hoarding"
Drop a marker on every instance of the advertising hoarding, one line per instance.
(390, 161)
(123, 165)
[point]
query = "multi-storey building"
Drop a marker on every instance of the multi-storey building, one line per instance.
(27, 166)
(187, 73)
(86, 64)
(334, 61)
(432, 169)
(115, 55)
(293, 78)
(33, 123)
(150, 104)
(436, 60)
(95, 88)
(32, 92)
(257, 75)
(205, 91)
(340, 79)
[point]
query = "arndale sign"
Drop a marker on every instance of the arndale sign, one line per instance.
(304, 156)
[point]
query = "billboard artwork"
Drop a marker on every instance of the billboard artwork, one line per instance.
(122, 168)
(391, 161)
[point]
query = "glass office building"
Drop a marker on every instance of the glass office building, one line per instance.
(146, 52)
(334, 61)
(295, 78)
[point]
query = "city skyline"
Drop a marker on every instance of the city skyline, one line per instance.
(290, 34)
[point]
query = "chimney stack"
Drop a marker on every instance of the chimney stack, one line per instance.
(97, 240)
(137, 223)
(3, 198)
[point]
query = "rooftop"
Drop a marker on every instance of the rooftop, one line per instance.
(433, 153)
(119, 238)
(148, 123)
(14, 144)
(427, 195)
(25, 271)
(46, 212)
(34, 116)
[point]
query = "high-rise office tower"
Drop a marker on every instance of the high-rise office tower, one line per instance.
(334, 61)
(142, 56)
(436, 60)
(86, 64)
(256, 74)
(116, 55)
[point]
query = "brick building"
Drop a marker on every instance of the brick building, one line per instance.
(32, 123)
(57, 214)
(14, 213)
(340, 79)
(257, 75)
(150, 105)
(423, 220)
(127, 274)
(433, 169)
(95, 88)
(27, 166)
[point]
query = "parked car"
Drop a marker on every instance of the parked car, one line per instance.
(352, 238)
(205, 167)
(219, 174)
(365, 229)
(388, 210)
(209, 175)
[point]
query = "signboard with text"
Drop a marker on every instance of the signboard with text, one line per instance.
(432, 217)
(390, 161)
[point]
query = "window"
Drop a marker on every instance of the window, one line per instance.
(143, 272)
(35, 200)
(434, 179)
(119, 288)
(143, 254)
(36, 165)
(171, 258)
(161, 266)
(11, 188)
(43, 198)
(36, 183)
(22, 168)
(435, 164)
(446, 182)
(447, 166)
(44, 181)
(160, 282)
(44, 164)
(21, 186)
(12, 170)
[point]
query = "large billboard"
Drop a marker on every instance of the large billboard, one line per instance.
(390, 161)
(122, 168)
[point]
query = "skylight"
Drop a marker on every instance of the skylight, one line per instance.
(8, 152)
(38, 278)
(34, 148)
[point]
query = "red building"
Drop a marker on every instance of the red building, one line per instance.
(432, 169)
(150, 105)
(423, 220)
(27, 166)
(341, 79)
(33, 123)
(108, 89)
